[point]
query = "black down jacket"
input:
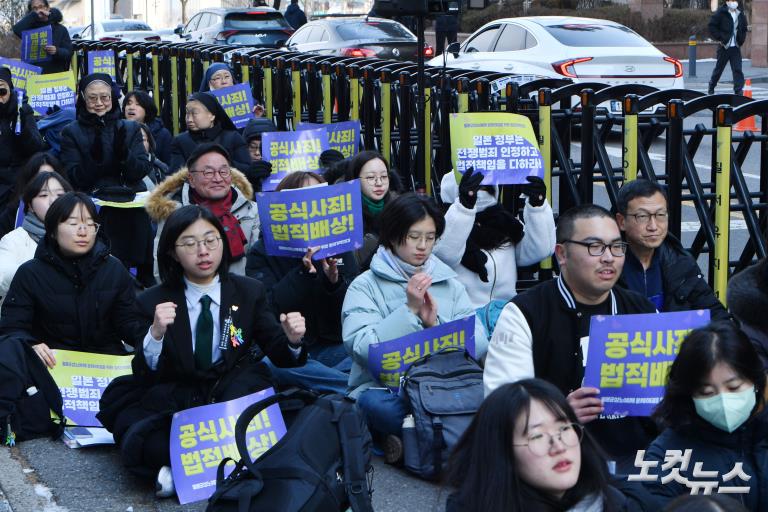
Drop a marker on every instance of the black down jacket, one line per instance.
(61, 59)
(184, 143)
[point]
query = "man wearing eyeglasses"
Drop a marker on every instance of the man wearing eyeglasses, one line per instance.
(544, 332)
(656, 265)
(209, 180)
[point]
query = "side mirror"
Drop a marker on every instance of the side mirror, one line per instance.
(77, 36)
(453, 49)
(178, 29)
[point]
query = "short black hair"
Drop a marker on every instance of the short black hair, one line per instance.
(203, 149)
(171, 271)
(359, 160)
(145, 101)
(38, 182)
(403, 212)
(703, 348)
(566, 223)
(637, 188)
(150, 137)
(748, 295)
(296, 179)
(32, 167)
(29, 4)
(63, 207)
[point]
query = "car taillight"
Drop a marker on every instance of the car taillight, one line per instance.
(109, 39)
(678, 66)
(152, 38)
(428, 51)
(224, 35)
(288, 31)
(357, 52)
(563, 66)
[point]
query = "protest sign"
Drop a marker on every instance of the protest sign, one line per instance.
(20, 71)
(292, 151)
(388, 360)
(33, 43)
(501, 146)
(45, 91)
(102, 61)
(329, 217)
(237, 102)
(343, 137)
(82, 377)
(629, 356)
(202, 436)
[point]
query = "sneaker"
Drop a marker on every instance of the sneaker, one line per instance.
(393, 450)
(710, 91)
(164, 487)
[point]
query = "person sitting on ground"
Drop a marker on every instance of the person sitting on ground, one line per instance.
(40, 14)
(20, 245)
(72, 295)
(407, 289)
(316, 289)
(209, 180)
(656, 264)
(525, 450)
(544, 331)
(138, 106)
(379, 186)
(486, 242)
(714, 406)
(748, 301)
(15, 148)
(180, 362)
(207, 122)
(12, 215)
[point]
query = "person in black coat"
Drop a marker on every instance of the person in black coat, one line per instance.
(15, 148)
(713, 405)
(104, 156)
(208, 122)
(295, 16)
(728, 26)
(446, 28)
(209, 330)
(72, 295)
(748, 301)
(41, 14)
(138, 106)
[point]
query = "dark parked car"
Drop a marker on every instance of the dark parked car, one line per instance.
(256, 26)
(357, 37)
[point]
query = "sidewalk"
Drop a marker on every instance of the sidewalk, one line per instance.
(704, 69)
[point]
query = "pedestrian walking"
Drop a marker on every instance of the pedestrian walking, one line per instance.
(728, 26)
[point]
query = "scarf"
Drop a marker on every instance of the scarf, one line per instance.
(494, 227)
(33, 226)
(374, 207)
(403, 269)
(222, 209)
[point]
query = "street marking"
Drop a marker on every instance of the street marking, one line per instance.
(693, 227)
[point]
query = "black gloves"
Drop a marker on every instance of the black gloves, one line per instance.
(468, 187)
(475, 259)
(121, 144)
(536, 190)
(261, 169)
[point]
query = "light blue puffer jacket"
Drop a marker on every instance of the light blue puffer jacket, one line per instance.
(375, 310)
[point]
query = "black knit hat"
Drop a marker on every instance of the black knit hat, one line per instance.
(210, 102)
(5, 75)
(204, 149)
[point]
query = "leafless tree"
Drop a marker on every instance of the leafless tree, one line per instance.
(11, 11)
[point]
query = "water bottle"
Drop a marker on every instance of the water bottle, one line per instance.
(410, 444)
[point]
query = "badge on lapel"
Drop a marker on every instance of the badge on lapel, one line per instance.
(230, 334)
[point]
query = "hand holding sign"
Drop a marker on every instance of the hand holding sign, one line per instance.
(50, 49)
(293, 326)
(586, 404)
(165, 314)
(468, 187)
(45, 354)
(536, 190)
(330, 265)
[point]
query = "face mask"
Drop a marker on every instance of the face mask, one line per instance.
(484, 200)
(727, 411)
(732, 5)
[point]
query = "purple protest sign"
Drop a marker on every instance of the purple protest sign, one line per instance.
(329, 217)
(629, 356)
(203, 436)
(102, 61)
(292, 151)
(343, 137)
(33, 43)
(237, 102)
(389, 360)
(20, 71)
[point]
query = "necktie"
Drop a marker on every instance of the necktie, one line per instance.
(204, 335)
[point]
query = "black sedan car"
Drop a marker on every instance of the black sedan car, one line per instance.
(357, 37)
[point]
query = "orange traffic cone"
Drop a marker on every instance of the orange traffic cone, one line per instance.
(749, 122)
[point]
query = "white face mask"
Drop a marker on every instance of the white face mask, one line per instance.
(732, 5)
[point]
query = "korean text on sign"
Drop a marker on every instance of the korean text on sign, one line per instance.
(33, 43)
(329, 217)
(203, 436)
(629, 357)
(237, 102)
(343, 137)
(20, 71)
(292, 151)
(389, 360)
(102, 61)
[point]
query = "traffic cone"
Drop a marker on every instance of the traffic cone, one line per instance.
(749, 122)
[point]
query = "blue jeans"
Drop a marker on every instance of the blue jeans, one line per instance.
(384, 411)
(313, 376)
(333, 356)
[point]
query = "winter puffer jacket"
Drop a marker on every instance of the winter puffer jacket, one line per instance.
(61, 59)
(184, 143)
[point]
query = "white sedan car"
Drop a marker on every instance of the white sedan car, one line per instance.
(582, 49)
(119, 29)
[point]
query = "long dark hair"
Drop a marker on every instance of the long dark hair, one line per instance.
(34, 187)
(32, 167)
(703, 348)
(145, 101)
(171, 271)
(482, 465)
(62, 208)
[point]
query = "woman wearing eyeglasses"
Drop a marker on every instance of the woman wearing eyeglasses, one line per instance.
(15, 147)
(407, 289)
(209, 330)
(378, 186)
(525, 451)
(72, 295)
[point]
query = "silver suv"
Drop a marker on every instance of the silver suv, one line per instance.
(256, 26)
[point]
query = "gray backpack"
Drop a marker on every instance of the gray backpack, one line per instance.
(445, 390)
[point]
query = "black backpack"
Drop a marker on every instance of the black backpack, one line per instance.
(24, 416)
(444, 390)
(322, 463)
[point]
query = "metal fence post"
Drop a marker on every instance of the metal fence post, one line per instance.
(723, 200)
(386, 115)
(630, 136)
(586, 180)
(545, 147)
(692, 56)
(674, 164)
